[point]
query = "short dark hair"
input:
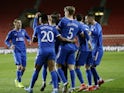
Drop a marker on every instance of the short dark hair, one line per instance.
(44, 18)
(70, 9)
(54, 18)
(17, 19)
(91, 15)
(79, 17)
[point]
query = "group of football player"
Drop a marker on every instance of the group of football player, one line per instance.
(67, 42)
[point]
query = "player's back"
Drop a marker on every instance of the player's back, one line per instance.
(46, 35)
(69, 29)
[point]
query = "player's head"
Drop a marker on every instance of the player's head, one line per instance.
(55, 18)
(17, 23)
(69, 11)
(79, 17)
(43, 18)
(91, 18)
(58, 16)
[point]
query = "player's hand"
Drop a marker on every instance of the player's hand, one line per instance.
(74, 40)
(12, 47)
(37, 14)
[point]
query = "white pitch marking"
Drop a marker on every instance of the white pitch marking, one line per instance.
(109, 80)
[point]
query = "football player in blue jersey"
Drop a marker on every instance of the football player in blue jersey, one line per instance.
(45, 35)
(84, 57)
(69, 28)
(97, 43)
(16, 41)
(53, 21)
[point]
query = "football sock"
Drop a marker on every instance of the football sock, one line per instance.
(95, 75)
(89, 76)
(18, 75)
(34, 78)
(54, 79)
(72, 75)
(22, 72)
(79, 75)
(61, 74)
(44, 74)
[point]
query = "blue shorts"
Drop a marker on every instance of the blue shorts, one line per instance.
(84, 58)
(44, 55)
(65, 55)
(20, 57)
(97, 55)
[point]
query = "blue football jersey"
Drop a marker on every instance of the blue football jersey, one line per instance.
(69, 29)
(46, 35)
(96, 37)
(17, 38)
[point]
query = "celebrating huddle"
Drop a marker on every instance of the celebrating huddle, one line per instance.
(57, 48)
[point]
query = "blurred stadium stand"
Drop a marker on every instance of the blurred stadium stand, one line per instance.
(112, 29)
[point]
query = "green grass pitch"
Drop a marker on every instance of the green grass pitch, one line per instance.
(111, 68)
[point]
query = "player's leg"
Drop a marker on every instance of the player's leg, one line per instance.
(88, 65)
(61, 58)
(80, 61)
(51, 65)
(71, 66)
(38, 65)
(44, 75)
(65, 68)
(61, 61)
(24, 61)
(98, 56)
(23, 66)
(17, 58)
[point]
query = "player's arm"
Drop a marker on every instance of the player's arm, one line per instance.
(28, 38)
(35, 22)
(96, 31)
(60, 38)
(34, 37)
(8, 39)
(84, 34)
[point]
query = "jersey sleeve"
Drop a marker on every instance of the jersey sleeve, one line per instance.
(35, 32)
(84, 30)
(8, 38)
(27, 36)
(35, 23)
(56, 32)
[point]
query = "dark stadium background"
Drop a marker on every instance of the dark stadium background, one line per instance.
(112, 21)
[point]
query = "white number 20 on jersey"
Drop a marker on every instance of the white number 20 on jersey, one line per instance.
(47, 36)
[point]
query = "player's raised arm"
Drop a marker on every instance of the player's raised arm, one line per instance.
(34, 37)
(35, 22)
